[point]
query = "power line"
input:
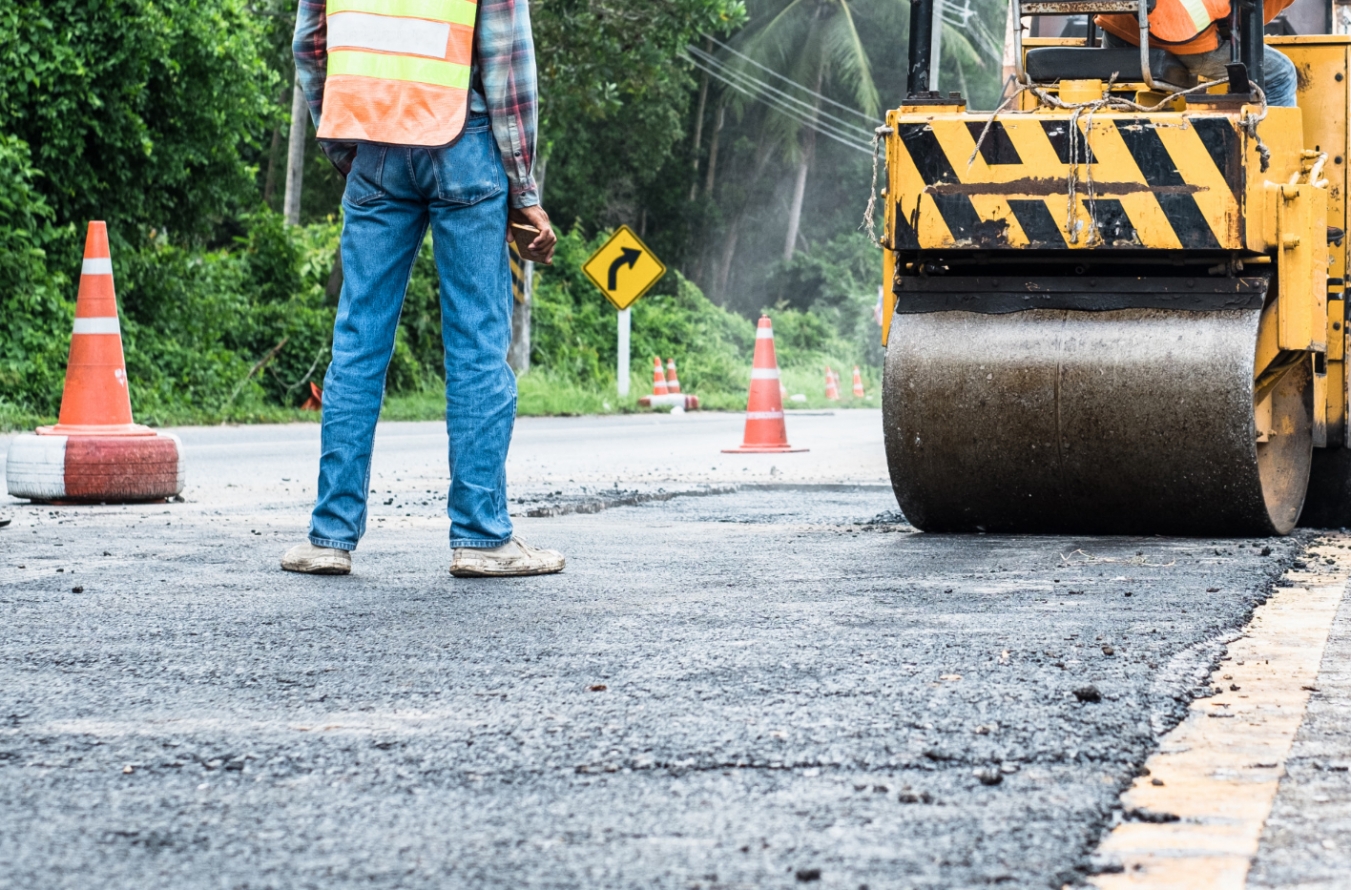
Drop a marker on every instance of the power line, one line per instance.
(729, 72)
(847, 139)
(789, 80)
(753, 89)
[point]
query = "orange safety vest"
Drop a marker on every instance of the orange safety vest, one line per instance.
(398, 71)
(1183, 27)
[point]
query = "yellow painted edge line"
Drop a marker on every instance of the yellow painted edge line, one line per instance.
(1221, 767)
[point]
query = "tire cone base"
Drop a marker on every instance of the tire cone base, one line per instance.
(89, 469)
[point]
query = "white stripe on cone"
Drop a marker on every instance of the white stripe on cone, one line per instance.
(764, 333)
(764, 373)
(97, 266)
(104, 325)
(763, 415)
(36, 467)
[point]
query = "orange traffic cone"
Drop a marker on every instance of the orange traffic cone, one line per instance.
(95, 452)
(315, 402)
(672, 381)
(858, 383)
(832, 385)
(765, 430)
(658, 378)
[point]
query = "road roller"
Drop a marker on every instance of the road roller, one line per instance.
(1117, 304)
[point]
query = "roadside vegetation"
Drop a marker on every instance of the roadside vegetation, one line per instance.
(169, 118)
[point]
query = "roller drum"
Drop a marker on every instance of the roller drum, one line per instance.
(1132, 421)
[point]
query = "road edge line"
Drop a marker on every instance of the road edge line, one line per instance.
(1195, 818)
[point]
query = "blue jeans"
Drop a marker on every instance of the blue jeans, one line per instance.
(1277, 68)
(393, 194)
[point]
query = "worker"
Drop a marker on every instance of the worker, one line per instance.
(432, 120)
(1191, 30)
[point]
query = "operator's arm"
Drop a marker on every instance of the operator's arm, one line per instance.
(506, 57)
(309, 46)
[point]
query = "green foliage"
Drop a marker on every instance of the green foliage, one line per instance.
(835, 285)
(574, 329)
(32, 358)
(219, 333)
(614, 97)
(136, 110)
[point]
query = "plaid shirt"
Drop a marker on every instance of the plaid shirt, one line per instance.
(504, 74)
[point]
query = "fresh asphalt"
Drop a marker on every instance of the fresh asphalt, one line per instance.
(782, 685)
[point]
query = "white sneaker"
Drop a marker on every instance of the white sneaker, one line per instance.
(314, 560)
(515, 557)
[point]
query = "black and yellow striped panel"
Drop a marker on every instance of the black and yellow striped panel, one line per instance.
(517, 272)
(1166, 181)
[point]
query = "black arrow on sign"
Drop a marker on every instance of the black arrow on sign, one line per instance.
(627, 257)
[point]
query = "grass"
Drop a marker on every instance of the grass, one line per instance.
(541, 394)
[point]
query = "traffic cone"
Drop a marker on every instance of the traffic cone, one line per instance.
(95, 452)
(658, 378)
(672, 381)
(832, 385)
(858, 383)
(765, 430)
(315, 402)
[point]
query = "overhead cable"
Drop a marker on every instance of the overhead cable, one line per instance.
(729, 72)
(794, 83)
(751, 89)
(844, 138)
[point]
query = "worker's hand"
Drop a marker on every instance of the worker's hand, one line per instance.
(540, 248)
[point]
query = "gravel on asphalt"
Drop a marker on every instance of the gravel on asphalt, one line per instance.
(776, 687)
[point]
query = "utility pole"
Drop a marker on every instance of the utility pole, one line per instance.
(295, 155)
(936, 46)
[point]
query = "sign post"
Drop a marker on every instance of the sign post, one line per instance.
(622, 371)
(623, 270)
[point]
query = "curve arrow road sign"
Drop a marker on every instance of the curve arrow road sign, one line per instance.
(624, 268)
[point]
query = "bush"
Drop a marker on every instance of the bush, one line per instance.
(136, 110)
(32, 354)
(574, 329)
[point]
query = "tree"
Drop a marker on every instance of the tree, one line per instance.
(814, 43)
(139, 112)
(615, 95)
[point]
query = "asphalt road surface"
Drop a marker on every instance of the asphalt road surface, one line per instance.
(769, 680)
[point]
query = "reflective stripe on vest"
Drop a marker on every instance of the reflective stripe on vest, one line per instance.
(1180, 26)
(398, 71)
(1177, 21)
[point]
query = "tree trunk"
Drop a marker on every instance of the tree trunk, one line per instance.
(799, 192)
(295, 155)
(270, 184)
(699, 126)
(518, 353)
(713, 152)
(728, 254)
(800, 184)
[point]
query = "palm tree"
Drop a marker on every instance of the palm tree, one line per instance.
(815, 43)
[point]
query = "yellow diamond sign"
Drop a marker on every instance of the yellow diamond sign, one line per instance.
(624, 268)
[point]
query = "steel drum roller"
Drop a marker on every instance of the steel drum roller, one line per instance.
(1134, 421)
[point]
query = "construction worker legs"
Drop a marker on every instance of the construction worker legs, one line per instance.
(469, 222)
(1281, 79)
(1277, 69)
(385, 220)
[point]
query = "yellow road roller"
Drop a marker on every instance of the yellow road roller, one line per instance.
(1117, 303)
